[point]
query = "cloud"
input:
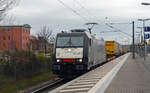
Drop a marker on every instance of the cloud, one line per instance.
(58, 17)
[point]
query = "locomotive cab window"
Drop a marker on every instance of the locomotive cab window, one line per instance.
(67, 41)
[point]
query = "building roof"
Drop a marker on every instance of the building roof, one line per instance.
(25, 25)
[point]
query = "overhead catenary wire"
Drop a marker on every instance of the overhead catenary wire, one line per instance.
(110, 25)
(84, 18)
(83, 7)
(74, 11)
(88, 12)
(77, 13)
(118, 29)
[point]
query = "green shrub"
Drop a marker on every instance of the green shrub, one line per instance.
(25, 64)
(41, 58)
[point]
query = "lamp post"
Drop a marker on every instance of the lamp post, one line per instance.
(144, 20)
(144, 3)
(133, 43)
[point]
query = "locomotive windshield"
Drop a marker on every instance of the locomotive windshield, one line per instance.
(67, 41)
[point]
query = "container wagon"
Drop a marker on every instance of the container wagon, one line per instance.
(113, 50)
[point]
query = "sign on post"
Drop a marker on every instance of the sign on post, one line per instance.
(147, 36)
(147, 29)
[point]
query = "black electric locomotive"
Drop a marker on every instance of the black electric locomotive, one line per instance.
(77, 52)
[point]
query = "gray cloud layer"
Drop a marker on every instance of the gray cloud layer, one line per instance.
(52, 13)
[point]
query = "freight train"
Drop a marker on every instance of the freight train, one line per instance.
(77, 52)
(114, 49)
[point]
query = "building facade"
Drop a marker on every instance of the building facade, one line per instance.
(38, 45)
(14, 37)
(34, 41)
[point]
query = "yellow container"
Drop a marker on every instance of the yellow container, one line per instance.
(112, 48)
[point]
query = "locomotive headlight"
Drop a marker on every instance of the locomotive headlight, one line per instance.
(69, 50)
(80, 60)
(58, 60)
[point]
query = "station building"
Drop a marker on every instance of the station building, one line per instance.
(14, 37)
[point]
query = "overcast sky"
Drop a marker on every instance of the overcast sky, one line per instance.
(54, 14)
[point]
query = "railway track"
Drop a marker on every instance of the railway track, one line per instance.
(52, 85)
(93, 81)
(47, 86)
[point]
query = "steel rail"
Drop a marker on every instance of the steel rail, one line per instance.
(44, 87)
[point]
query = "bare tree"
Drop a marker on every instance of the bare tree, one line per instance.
(45, 36)
(9, 20)
(6, 5)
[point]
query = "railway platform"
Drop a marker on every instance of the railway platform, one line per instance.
(122, 75)
(133, 77)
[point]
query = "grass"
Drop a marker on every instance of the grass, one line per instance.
(13, 86)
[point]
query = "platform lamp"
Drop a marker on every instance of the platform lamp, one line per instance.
(144, 3)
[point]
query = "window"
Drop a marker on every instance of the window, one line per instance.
(8, 29)
(4, 38)
(4, 45)
(8, 37)
(64, 41)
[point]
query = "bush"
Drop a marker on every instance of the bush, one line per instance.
(41, 58)
(25, 64)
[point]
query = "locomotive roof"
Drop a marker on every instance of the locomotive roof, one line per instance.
(76, 33)
(80, 32)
